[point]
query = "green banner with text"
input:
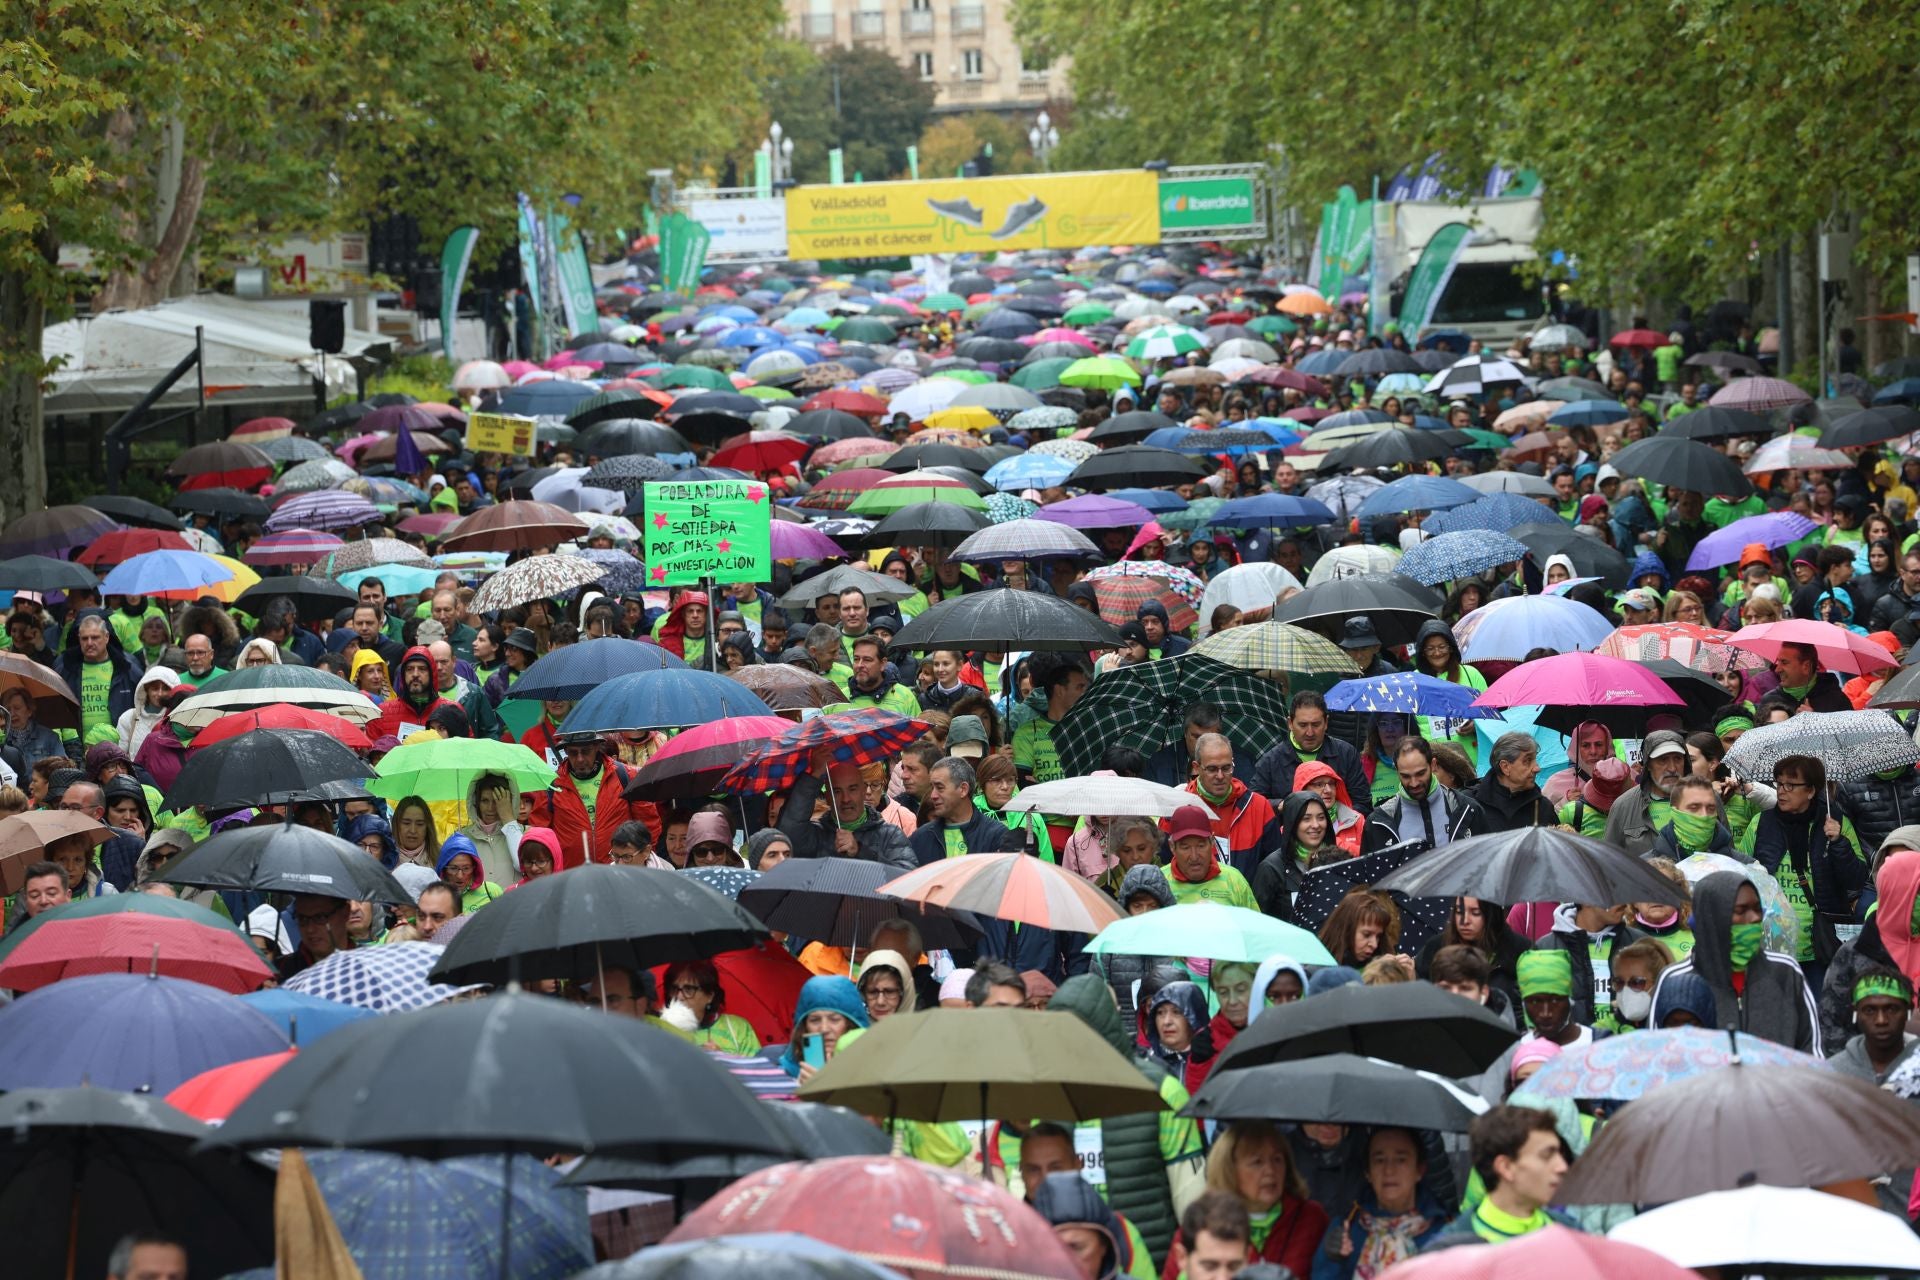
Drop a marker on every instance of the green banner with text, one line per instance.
(1430, 277)
(719, 529)
(1207, 203)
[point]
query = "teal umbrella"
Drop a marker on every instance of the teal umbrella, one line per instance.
(1210, 930)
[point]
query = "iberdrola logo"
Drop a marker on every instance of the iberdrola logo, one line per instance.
(1177, 205)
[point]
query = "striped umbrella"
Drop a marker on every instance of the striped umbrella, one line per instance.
(1184, 582)
(886, 498)
(842, 452)
(1120, 599)
(859, 737)
(1026, 539)
(514, 526)
(536, 578)
(1758, 395)
(1009, 886)
(328, 509)
(1277, 646)
(1461, 555)
(1163, 342)
(367, 553)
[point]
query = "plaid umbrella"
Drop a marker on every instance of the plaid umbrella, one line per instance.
(369, 553)
(1024, 539)
(1183, 581)
(296, 546)
(858, 737)
(1701, 648)
(536, 578)
(1420, 918)
(1460, 555)
(1142, 706)
(327, 509)
(1853, 745)
(1495, 513)
(389, 979)
(626, 473)
(841, 452)
(1277, 646)
(1120, 598)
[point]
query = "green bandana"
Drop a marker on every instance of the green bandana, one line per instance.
(1799, 693)
(1732, 724)
(1744, 946)
(1891, 985)
(1545, 973)
(1693, 831)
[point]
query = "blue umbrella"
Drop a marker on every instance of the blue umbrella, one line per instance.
(1493, 513)
(1166, 437)
(1552, 745)
(1158, 501)
(1905, 391)
(1409, 694)
(1587, 413)
(403, 1218)
(304, 1018)
(1270, 511)
(728, 311)
(752, 335)
(1460, 555)
(727, 880)
(1322, 363)
(1454, 339)
(804, 318)
(1283, 431)
(1427, 422)
(399, 579)
(665, 699)
(1417, 493)
(570, 673)
(128, 1032)
(1400, 384)
(554, 396)
(1029, 471)
(153, 571)
(624, 575)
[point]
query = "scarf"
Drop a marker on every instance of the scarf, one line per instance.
(1389, 1240)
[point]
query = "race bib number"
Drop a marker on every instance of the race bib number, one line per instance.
(1087, 1145)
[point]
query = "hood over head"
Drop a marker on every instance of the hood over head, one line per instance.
(1687, 991)
(898, 963)
(1069, 1200)
(452, 847)
(1649, 562)
(830, 993)
(1263, 977)
(1088, 997)
(1713, 897)
(546, 839)
(1191, 1002)
(1290, 811)
(370, 824)
(1428, 629)
(1145, 878)
(1309, 771)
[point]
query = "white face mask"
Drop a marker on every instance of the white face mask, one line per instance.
(1633, 1006)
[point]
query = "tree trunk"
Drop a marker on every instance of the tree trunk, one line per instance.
(143, 288)
(23, 440)
(1806, 305)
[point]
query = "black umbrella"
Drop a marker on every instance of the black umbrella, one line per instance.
(335, 419)
(611, 1084)
(1375, 362)
(618, 437)
(315, 599)
(1129, 428)
(1388, 447)
(835, 901)
(1534, 864)
(265, 766)
(924, 524)
(1397, 605)
(820, 1132)
(1871, 426)
(1339, 1088)
(1700, 691)
(1002, 620)
(1413, 1024)
(594, 918)
(222, 502)
(1717, 422)
(916, 457)
(969, 479)
(619, 403)
(1899, 693)
(830, 424)
(520, 483)
(627, 474)
(132, 511)
(998, 350)
(1433, 361)
(287, 858)
(1683, 464)
(44, 573)
(1327, 884)
(1591, 557)
(1134, 466)
(80, 1168)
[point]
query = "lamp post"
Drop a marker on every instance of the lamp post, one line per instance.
(778, 149)
(1043, 137)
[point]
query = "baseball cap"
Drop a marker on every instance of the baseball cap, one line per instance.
(967, 738)
(1189, 820)
(1664, 742)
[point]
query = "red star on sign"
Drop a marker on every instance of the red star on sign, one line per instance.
(754, 493)
(659, 519)
(723, 546)
(659, 573)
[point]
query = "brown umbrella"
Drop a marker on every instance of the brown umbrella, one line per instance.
(54, 702)
(25, 836)
(788, 688)
(829, 374)
(383, 449)
(219, 456)
(514, 526)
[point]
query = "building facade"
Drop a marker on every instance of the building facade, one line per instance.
(965, 48)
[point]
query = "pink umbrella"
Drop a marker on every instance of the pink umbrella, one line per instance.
(1836, 648)
(516, 368)
(803, 542)
(1574, 687)
(355, 445)
(1758, 395)
(295, 546)
(1064, 335)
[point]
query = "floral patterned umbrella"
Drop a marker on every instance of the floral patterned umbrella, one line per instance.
(536, 578)
(366, 553)
(1184, 582)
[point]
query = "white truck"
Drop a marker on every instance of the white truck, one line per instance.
(1489, 296)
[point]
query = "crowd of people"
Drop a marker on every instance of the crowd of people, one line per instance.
(1797, 880)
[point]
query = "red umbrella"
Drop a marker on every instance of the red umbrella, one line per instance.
(223, 464)
(924, 1222)
(1837, 648)
(858, 403)
(1552, 1251)
(125, 942)
(837, 491)
(282, 716)
(694, 762)
(432, 524)
(859, 737)
(762, 985)
(1638, 338)
(293, 546)
(758, 451)
(212, 1095)
(259, 430)
(124, 544)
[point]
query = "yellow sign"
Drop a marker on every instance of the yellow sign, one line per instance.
(500, 433)
(981, 215)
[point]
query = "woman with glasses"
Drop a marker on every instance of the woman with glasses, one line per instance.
(696, 984)
(374, 835)
(886, 984)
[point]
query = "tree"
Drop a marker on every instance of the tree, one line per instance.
(951, 141)
(859, 100)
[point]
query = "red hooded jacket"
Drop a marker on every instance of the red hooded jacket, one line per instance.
(396, 712)
(561, 808)
(1347, 837)
(673, 632)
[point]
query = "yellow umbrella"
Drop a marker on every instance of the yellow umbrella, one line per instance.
(227, 592)
(966, 417)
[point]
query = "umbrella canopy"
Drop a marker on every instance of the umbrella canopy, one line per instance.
(1213, 931)
(1622, 1068)
(1339, 1088)
(595, 917)
(536, 578)
(132, 1032)
(785, 688)
(1094, 511)
(1758, 395)
(24, 838)
(837, 901)
(122, 545)
(303, 1018)
(444, 769)
(275, 684)
(1772, 529)
(669, 698)
(44, 573)
(1510, 482)
(774, 1255)
(1009, 886)
(315, 599)
(1591, 557)
(1009, 1064)
(1683, 464)
(1555, 1251)
(1836, 648)
(1574, 687)
(166, 574)
(1451, 556)
(1144, 707)
(1408, 693)
(1100, 797)
(264, 767)
(811, 1198)
(1417, 493)
(921, 524)
(1269, 511)
(571, 673)
(84, 1167)
(1007, 619)
(1032, 539)
(1761, 1229)
(287, 859)
(1851, 745)
(1398, 606)
(858, 737)
(877, 586)
(514, 526)
(339, 1092)
(212, 1095)
(329, 509)
(385, 979)
(1131, 466)
(295, 546)
(54, 531)
(1514, 626)
(55, 705)
(73, 944)
(694, 762)
(1500, 512)
(1693, 646)
(1533, 864)
(1277, 646)
(1413, 1025)
(1697, 1135)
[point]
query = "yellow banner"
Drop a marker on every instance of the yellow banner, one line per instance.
(500, 433)
(982, 215)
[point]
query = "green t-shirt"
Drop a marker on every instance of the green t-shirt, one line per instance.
(1666, 361)
(1034, 753)
(96, 690)
(1229, 888)
(956, 841)
(1585, 818)
(1720, 513)
(589, 789)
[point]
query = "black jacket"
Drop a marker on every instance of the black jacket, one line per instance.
(1834, 870)
(124, 686)
(1273, 773)
(1383, 824)
(983, 833)
(1825, 695)
(1878, 805)
(1505, 810)
(1891, 607)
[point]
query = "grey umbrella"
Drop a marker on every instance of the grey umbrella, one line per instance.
(1533, 864)
(846, 577)
(1024, 540)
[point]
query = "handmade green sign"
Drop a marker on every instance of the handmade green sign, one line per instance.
(719, 529)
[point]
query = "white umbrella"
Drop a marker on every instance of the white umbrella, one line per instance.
(1762, 1227)
(1253, 585)
(1345, 562)
(1234, 366)
(923, 398)
(1510, 482)
(481, 375)
(1102, 798)
(1246, 349)
(564, 490)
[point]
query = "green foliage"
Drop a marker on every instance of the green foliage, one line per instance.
(424, 377)
(951, 141)
(881, 109)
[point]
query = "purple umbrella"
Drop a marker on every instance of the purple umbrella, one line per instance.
(54, 532)
(1770, 529)
(1093, 511)
(407, 459)
(327, 509)
(803, 542)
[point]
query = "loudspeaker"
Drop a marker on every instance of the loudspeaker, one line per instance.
(327, 325)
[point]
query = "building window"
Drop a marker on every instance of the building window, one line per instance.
(923, 65)
(918, 18)
(971, 65)
(817, 26)
(969, 17)
(869, 24)
(1033, 66)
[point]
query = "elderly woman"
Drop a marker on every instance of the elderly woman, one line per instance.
(828, 1008)
(258, 652)
(696, 984)
(886, 984)
(1252, 1161)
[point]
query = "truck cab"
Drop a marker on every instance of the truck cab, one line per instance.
(1489, 296)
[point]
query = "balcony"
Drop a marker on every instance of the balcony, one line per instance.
(816, 26)
(917, 22)
(969, 19)
(869, 24)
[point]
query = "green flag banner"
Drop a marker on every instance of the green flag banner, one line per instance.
(683, 251)
(454, 257)
(1358, 249)
(1430, 277)
(719, 529)
(576, 277)
(1336, 235)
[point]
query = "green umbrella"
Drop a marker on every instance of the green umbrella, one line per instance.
(1212, 930)
(972, 1064)
(142, 904)
(864, 329)
(436, 768)
(1272, 324)
(944, 302)
(1486, 439)
(1142, 708)
(693, 375)
(976, 310)
(770, 394)
(971, 376)
(1105, 372)
(1041, 374)
(884, 500)
(1198, 512)
(1088, 313)
(891, 309)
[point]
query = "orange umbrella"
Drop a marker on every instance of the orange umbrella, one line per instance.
(1304, 304)
(1009, 886)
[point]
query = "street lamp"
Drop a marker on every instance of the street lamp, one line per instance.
(1043, 137)
(778, 148)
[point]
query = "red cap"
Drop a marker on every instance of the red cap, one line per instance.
(1189, 820)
